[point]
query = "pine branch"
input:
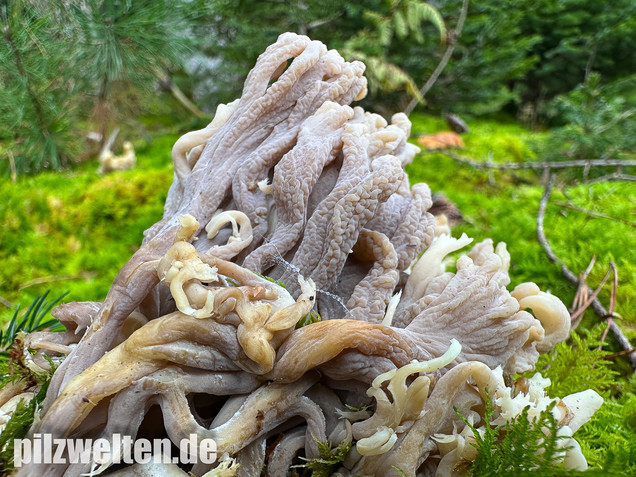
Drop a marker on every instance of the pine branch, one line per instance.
(26, 78)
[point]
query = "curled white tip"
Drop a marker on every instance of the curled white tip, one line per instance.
(379, 443)
(422, 366)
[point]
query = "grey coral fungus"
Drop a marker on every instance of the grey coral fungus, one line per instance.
(289, 204)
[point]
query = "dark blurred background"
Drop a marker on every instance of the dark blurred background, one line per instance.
(69, 68)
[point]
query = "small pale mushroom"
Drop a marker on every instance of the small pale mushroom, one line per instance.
(548, 309)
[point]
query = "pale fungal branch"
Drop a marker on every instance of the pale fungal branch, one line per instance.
(600, 310)
(377, 434)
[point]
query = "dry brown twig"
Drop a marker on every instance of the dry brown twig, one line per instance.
(612, 299)
(588, 296)
(592, 299)
(582, 291)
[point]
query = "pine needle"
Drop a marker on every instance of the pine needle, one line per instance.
(32, 320)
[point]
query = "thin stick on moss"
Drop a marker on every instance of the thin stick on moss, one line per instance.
(610, 315)
(593, 213)
(5, 302)
(543, 165)
(614, 176)
(616, 355)
(581, 292)
(596, 304)
(57, 278)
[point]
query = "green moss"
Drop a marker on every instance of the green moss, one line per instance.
(522, 446)
(607, 440)
(329, 459)
(18, 426)
(487, 138)
(74, 230)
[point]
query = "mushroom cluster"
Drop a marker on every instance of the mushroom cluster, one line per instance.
(292, 207)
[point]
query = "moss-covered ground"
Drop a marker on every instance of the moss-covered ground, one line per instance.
(72, 231)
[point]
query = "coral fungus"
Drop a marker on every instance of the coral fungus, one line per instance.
(293, 202)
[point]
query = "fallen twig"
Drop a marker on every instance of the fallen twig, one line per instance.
(615, 176)
(57, 278)
(593, 213)
(582, 291)
(179, 95)
(541, 234)
(5, 302)
(14, 173)
(596, 304)
(108, 142)
(543, 164)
